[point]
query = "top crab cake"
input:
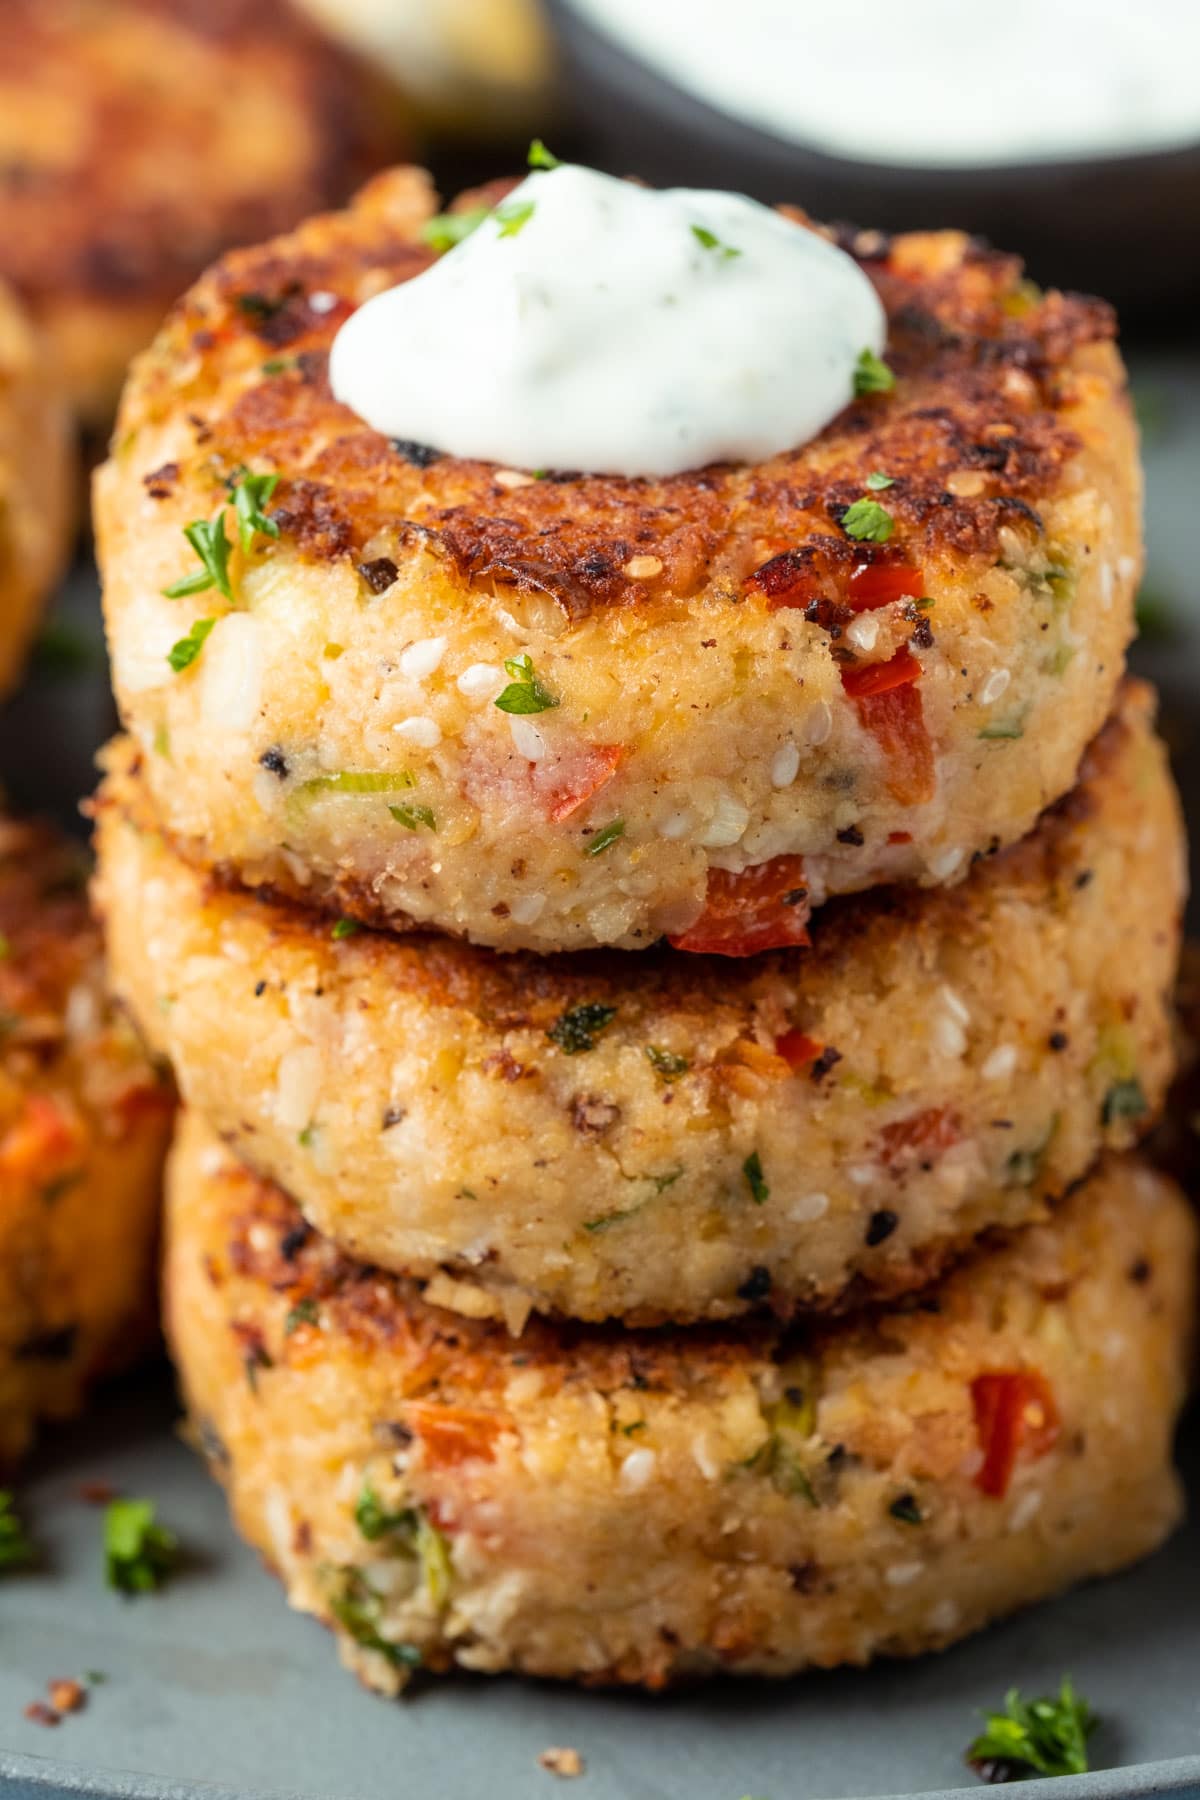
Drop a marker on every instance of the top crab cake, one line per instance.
(140, 138)
(572, 710)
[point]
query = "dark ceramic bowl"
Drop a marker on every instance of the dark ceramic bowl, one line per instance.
(1121, 226)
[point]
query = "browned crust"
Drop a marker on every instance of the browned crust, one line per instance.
(511, 991)
(84, 223)
(986, 372)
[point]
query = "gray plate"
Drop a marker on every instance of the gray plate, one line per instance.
(213, 1687)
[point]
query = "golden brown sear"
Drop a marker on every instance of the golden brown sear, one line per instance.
(751, 710)
(140, 138)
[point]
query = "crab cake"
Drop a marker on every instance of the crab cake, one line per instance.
(140, 138)
(37, 480)
(575, 711)
(673, 1137)
(84, 1122)
(638, 1506)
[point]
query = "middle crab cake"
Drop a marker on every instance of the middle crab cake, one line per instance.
(729, 703)
(672, 1136)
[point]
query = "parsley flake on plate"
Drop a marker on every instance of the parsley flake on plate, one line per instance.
(525, 692)
(16, 1546)
(138, 1552)
(1034, 1737)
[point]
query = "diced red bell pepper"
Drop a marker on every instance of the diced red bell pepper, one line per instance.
(579, 778)
(763, 908)
(451, 1435)
(861, 680)
(798, 1050)
(889, 707)
(1015, 1416)
(875, 584)
(926, 1133)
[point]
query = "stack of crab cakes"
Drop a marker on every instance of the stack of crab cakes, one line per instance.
(667, 986)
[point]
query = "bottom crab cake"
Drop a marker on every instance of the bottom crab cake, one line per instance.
(673, 1136)
(84, 1124)
(636, 1506)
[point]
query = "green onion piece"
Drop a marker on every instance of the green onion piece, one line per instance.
(872, 375)
(183, 654)
(605, 837)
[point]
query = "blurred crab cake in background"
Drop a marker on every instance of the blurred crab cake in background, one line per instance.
(551, 710)
(638, 1506)
(37, 482)
(84, 1122)
(140, 138)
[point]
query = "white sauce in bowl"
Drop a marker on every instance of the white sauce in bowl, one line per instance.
(931, 83)
(595, 325)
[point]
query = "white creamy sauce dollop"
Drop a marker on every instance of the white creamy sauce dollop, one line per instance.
(592, 324)
(934, 82)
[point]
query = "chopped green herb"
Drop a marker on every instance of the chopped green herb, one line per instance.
(357, 1608)
(16, 1547)
(1003, 728)
(208, 540)
(513, 217)
(305, 1312)
(1125, 1100)
(447, 229)
(278, 365)
(666, 1063)
(905, 1509)
(872, 375)
(607, 835)
(375, 1521)
(411, 816)
(351, 781)
(344, 928)
(606, 1221)
(869, 522)
(525, 692)
(663, 1182)
(183, 654)
(877, 481)
(307, 1138)
(628, 1430)
(711, 241)
(752, 1169)
(539, 157)
(1034, 1737)
(250, 495)
(433, 1554)
(577, 1029)
(138, 1553)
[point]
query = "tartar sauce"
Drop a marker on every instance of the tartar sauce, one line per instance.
(933, 83)
(591, 324)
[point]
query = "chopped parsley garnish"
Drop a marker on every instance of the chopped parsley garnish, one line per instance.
(577, 1030)
(375, 1521)
(1034, 1737)
(16, 1547)
(138, 1553)
(448, 229)
(1125, 1100)
(357, 1609)
(877, 481)
(867, 521)
(666, 1063)
(872, 375)
(606, 1221)
(541, 158)
(710, 241)
(305, 1312)
(412, 816)
(752, 1169)
(352, 781)
(183, 654)
(208, 540)
(525, 693)
(513, 217)
(1003, 728)
(607, 835)
(250, 495)
(344, 928)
